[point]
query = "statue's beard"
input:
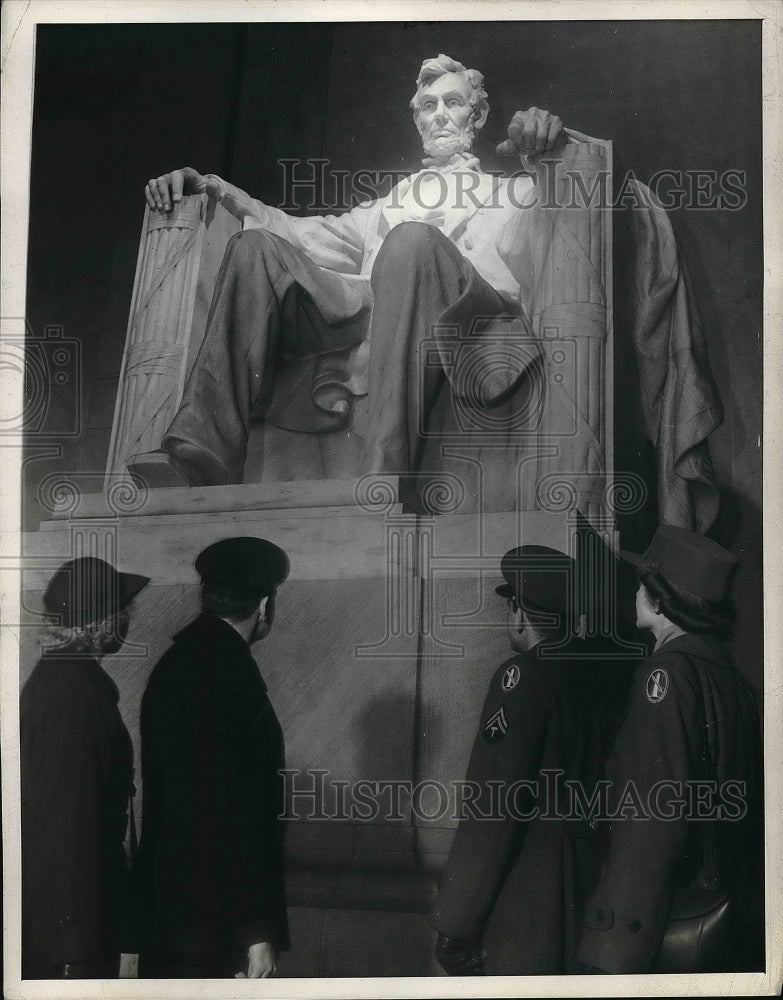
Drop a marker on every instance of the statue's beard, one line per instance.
(444, 147)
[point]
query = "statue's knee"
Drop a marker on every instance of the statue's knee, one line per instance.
(408, 245)
(248, 244)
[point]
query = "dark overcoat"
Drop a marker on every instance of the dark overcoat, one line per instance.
(517, 883)
(210, 868)
(77, 776)
(691, 718)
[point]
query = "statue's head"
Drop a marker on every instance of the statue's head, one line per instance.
(449, 106)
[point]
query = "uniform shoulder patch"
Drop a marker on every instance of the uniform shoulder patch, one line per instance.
(496, 726)
(510, 678)
(657, 685)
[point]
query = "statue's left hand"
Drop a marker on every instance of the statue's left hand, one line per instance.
(531, 134)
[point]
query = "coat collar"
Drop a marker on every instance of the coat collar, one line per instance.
(210, 628)
(224, 642)
(63, 666)
(704, 646)
(542, 653)
(460, 161)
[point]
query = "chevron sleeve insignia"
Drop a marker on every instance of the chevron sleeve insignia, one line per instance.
(496, 726)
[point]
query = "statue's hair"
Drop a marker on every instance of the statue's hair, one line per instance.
(432, 69)
(91, 639)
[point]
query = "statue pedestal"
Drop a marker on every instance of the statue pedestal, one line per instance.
(385, 634)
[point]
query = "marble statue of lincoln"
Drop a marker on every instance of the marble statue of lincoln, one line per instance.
(307, 312)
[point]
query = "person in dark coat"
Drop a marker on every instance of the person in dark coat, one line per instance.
(691, 719)
(210, 868)
(509, 898)
(77, 778)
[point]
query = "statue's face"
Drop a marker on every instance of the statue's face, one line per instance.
(445, 118)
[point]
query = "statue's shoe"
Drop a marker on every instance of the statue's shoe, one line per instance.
(199, 465)
(157, 470)
(178, 464)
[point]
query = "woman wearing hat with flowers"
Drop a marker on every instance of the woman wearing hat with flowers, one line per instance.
(675, 894)
(77, 777)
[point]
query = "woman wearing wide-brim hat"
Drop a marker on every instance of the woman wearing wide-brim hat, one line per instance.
(684, 776)
(77, 777)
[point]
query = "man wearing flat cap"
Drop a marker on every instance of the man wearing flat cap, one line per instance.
(77, 779)
(691, 721)
(210, 867)
(509, 899)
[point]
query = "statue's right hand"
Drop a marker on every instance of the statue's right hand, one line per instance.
(164, 191)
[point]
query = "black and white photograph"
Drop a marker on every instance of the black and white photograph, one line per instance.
(390, 499)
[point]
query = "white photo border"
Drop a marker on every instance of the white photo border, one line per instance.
(19, 20)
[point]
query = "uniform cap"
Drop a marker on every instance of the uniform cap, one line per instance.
(688, 560)
(88, 590)
(246, 566)
(540, 578)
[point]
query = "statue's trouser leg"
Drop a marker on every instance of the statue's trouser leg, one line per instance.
(256, 294)
(418, 275)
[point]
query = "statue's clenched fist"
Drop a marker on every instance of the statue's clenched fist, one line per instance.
(532, 133)
(164, 191)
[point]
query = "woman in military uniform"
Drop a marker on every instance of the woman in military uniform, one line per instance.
(691, 720)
